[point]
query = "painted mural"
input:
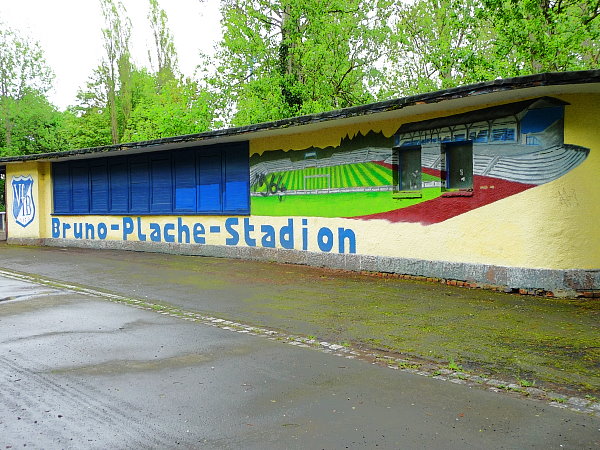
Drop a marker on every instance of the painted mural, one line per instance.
(463, 162)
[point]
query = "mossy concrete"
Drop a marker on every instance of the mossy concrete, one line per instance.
(546, 341)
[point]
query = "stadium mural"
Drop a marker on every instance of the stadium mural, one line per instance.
(428, 172)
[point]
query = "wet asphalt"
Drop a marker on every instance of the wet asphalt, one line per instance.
(80, 371)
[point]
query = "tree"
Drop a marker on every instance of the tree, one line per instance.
(37, 127)
(23, 72)
(165, 60)
(116, 67)
(437, 44)
(284, 58)
(124, 103)
(543, 36)
(167, 108)
(89, 121)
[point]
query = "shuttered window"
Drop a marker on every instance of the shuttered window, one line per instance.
(99, 188)
(162, 185)
(210, 192)
(118, 186)
(139, 185)
(205, 180)
(184, 168)
(81, 188)
(237, 183)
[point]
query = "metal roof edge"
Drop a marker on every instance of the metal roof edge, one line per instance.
(482, 88)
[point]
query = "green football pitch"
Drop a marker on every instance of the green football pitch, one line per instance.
(335, 177)
(345, 204)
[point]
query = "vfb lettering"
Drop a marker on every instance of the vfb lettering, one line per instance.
(23, 205)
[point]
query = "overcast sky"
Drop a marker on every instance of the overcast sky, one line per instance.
(70, 34)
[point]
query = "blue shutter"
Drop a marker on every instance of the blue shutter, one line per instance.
(119, 185)
(62, 188)
(209, 181)
(162, 184)
(139, 178)
(81, 188)
(237, 179)
(185, 181)
(99, 186)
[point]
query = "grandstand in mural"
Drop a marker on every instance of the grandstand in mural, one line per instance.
(521, 142)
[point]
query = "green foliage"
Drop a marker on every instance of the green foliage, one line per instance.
(294, 57)
(452, 365)
(167, 108)
(437, 44)
(116, 67)
(164, 61)
(287, 58)
(525, 383)
(36, 125)
(22, 65)
(541, 36)
(124, 103)
(24, 78)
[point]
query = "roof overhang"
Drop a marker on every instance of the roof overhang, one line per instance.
(469, 96)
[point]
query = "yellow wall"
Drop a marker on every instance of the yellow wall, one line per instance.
(553, 226)
(42, 195)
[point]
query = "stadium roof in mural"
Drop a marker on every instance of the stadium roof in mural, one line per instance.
(464, 96)
(494, 112)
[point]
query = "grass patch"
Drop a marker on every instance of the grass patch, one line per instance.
(453, 366)
(525, 383)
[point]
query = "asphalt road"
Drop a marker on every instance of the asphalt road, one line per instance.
(78, 371)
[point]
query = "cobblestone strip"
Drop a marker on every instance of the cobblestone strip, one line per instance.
(406, 364)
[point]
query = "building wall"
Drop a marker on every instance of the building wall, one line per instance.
(541, 235)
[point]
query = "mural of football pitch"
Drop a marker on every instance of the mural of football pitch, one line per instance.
(345, 190)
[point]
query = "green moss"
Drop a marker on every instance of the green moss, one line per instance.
(549, 340)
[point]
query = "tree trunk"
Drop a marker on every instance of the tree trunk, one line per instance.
(114, 126)
(287, 68)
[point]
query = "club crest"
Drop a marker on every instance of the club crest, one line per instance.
(23, 205)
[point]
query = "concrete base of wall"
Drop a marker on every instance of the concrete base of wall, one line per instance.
(558, 282)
